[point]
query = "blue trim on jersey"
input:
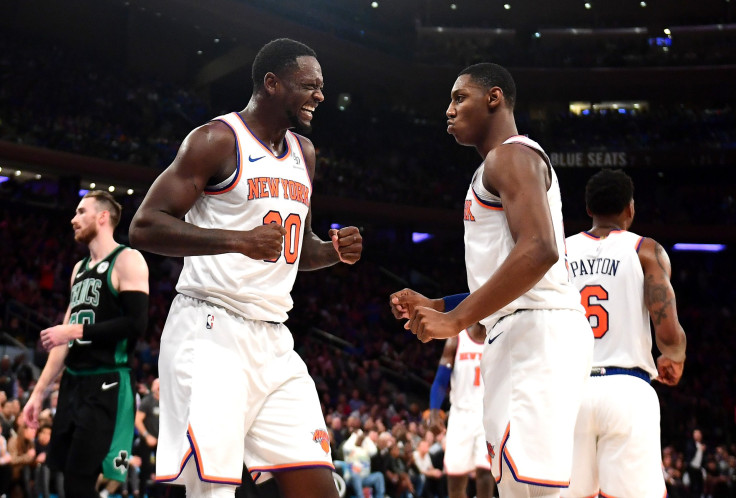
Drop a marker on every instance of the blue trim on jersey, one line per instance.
(634, 372)
(487, 203)
(286, 142)
(236, 174)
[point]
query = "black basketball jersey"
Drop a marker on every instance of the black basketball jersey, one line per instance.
(93, 300)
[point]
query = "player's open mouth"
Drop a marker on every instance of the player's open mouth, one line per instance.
(307, 112)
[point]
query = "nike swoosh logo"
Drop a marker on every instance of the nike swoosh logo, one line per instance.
(490, 341)
(106, 386)
(251, 159)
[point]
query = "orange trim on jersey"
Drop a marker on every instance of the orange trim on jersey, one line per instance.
(604, 495)
(238, 166)
(590, 236)
(278, 158)
(181, 467)
(520, 478)
(592, 496)
(504, 439)
(200, 464)
(485, 204)
(299, 143)
(638, 243)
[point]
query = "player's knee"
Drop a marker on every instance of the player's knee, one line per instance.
(80, 485)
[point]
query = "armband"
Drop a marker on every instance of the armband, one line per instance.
(130, 324)
(439, 387)
(451, 302)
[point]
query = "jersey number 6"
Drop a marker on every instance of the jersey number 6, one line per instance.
(587, 294)
(293, 225)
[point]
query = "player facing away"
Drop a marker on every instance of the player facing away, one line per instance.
(538, 352)
(624, 280)
(233, 389)
(93, 427)
(465, 442)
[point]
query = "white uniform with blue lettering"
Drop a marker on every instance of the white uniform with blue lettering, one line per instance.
(538, 354)
(617, 443)
(465, 448)
(231, 383)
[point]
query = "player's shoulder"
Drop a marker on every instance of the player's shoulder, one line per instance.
(305, 143)
(131, 260)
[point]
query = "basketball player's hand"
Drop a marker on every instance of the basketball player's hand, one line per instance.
(435, 423)
(31, 411)
(60, 334)
(669, 371)
(428, 324)
(265, 242)
(404, 301)
(348, 244)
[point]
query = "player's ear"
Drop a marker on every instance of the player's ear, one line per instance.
(270, 83)
(494, 97)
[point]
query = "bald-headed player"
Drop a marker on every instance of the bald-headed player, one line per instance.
(624, 281)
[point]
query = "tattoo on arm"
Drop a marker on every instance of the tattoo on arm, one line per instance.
(655, 298)
(658, 251)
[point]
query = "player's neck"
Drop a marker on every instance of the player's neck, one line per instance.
(602, 228)
(100, 247)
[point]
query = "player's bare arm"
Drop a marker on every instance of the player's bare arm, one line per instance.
(346, 244)
(659, 298)
(52, 369)
(521, 178)
(447, 360)
(206, 155)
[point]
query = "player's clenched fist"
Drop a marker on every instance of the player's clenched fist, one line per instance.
(428, 324)
(348, 243)
(265, 242)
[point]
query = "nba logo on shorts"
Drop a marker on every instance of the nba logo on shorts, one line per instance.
(210, 322)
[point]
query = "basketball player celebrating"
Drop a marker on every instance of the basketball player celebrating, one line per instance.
(108, 309)
(539, 349)
(465, 441)
(233, 389)
(624, 279)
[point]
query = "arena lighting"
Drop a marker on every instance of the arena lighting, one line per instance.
(17, 172)
(336, 226)
(418, 237)
(683, 246)
(38, 177)
(130, 191)
(507, 6)
(588, 5)
(83, 192)
(374, 5)
(111, 188)
(643, 4)
(453, 6)
(4, 179)
(92, 185)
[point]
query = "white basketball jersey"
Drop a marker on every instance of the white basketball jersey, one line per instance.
(488, 242)
(466, 381)
(263, 189)
(608, 273)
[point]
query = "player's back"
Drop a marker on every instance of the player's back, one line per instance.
(609, 275)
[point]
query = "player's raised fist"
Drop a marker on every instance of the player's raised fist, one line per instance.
(348, 243)
(265, 242)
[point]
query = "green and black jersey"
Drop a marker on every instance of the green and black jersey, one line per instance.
(94, 300)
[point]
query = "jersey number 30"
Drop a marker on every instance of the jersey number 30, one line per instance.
(293, 225)
(591, 297)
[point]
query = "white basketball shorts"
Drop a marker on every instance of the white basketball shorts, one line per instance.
(535, 365)
(234, 390)
(465, 442)
(620, 416)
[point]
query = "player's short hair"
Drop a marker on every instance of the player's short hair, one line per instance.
(608, 192)
(108, 203)
(277, 57)
(488, 75)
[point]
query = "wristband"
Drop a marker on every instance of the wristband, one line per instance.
(451, 302)
(439, 387)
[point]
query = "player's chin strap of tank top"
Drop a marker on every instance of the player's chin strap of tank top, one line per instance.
(634, 372)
